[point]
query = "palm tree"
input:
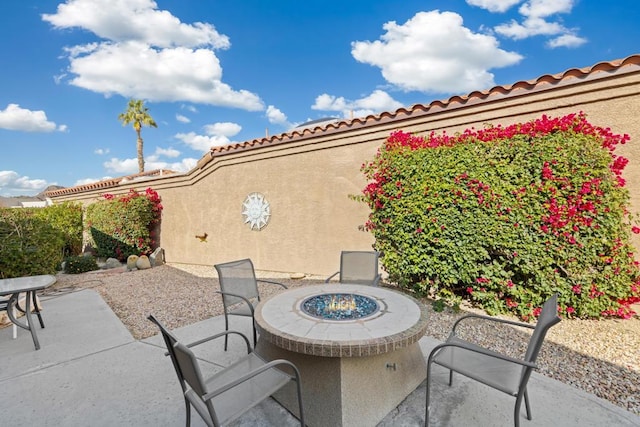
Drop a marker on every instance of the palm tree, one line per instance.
(137, 114)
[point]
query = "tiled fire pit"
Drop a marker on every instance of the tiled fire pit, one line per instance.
(356, 347)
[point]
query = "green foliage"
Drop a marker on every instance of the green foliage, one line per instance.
(66, 218)
(123, 226)
(505, 217)
(29, 245)
(80, 264)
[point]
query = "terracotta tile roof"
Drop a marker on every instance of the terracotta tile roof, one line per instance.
(630, 64)
(570, 76)
(109, 183)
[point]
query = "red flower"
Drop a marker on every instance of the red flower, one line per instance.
(635, 229)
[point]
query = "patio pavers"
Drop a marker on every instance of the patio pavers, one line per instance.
(90, 371)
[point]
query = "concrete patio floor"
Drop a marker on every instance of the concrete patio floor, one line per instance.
(90, 371)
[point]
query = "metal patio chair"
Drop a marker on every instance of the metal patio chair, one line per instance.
(507, 374)
(359, 268)
(239, 290)
(227, 394)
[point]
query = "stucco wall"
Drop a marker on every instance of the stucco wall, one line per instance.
(308, 180)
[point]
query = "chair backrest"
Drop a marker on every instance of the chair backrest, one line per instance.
(169, 341)
(189, 367)
(237, 277)
(548, 318)
(188, 371)
(359, 267)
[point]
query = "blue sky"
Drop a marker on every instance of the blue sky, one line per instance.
(216, 72)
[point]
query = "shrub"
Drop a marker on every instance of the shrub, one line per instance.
(80, 264)
(123, 226)
(506, 216)
(29, 245)
(66, 218)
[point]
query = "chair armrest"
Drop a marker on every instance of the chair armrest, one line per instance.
(212, 337)
(331, 277)
(484, 351)
(245, 299)
(490, 319)
(221, 334)
(271, 282)
(250, 375)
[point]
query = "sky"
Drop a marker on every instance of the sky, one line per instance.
(218, 72)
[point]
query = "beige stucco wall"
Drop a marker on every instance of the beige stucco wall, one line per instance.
(308, 180)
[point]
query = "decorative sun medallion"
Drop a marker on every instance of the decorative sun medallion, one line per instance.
(256, 211)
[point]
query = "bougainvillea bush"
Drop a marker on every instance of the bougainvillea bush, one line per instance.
(506, 216)
(124, 225)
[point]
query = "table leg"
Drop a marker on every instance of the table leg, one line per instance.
(31, 297)
(29, 324)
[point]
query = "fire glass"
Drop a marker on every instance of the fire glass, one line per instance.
(339, 306)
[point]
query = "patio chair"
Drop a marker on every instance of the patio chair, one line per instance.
(239, 290)
(507, 374)
(358, 267)
(229, 393)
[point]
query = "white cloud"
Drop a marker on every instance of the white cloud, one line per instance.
(434, 52)
(122, 167)
(101, 151)
(21, 119)
(545, 8)
(166, 152)
(184, 165)
(216, 134)
(376, 102)
(537, 21)
(182, 119)
(12, 184)
(223, 128)
(202, 143)
(566, 40)
(494, 5)
(529, 27)
(123, 20)
(189, 108)
(133, 69)
(90, 180)
(277, 117)
(146, 53)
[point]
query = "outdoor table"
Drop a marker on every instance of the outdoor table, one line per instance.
(29, 285)
(353, 370)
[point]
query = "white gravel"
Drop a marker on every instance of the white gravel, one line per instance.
(599, 356)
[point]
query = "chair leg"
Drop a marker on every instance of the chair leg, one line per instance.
(255, 333)
(226, 328)
(450, 377)
(188, 406)
(516, 412)
(427, 389)
(526, 404)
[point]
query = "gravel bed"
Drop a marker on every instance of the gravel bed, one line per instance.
(601, 357)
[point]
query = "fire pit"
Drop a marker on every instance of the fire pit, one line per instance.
(348, 341)
(340, 306)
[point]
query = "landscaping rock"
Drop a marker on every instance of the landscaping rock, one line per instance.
(143, 263)
(157, 257)
(132, 260)
(111, 263)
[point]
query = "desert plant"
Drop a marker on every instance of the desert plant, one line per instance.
(506, 216)
(29, 245)
(123, 226)
(80, 264)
